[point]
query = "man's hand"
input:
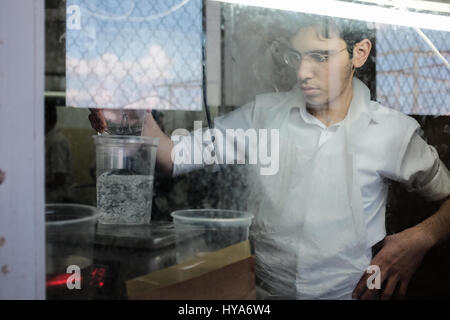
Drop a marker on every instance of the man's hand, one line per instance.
(97, 120)
(398, 260)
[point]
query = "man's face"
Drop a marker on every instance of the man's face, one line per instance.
(322, 82)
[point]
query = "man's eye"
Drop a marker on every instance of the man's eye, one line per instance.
(291, 58)
(318, 57)
(295, 56)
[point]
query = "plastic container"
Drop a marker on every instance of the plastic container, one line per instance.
(125, 171)
(70, 232)
(216, 227)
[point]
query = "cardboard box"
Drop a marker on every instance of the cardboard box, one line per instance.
(226, 274)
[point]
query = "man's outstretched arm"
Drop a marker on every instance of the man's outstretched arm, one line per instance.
(164, 153)
(151, 128)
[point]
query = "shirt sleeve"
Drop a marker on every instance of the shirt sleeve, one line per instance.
(195, 150)
(422, 171)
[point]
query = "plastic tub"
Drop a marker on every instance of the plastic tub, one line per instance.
(217, 229)
(70, 232)
(125, 171)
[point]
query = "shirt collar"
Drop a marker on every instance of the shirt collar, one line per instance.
(360, 105)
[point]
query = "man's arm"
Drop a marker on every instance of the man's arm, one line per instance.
(239, 118)
(165, 146)
(437, 227)
(421, 171)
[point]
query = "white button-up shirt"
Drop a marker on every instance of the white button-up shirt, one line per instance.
(390, 147)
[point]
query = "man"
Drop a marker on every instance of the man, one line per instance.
(318, 218)
(58, 160)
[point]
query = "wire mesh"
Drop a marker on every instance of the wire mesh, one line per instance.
(148, 53)
(412, 76)
(134, 54)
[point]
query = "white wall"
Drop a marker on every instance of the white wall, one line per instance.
(22, 256)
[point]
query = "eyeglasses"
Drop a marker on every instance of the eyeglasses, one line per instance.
(293, 58)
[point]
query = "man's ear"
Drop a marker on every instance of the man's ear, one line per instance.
(361, 52)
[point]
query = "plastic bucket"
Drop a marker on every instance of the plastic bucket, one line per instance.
(216, 228)
(70, 232)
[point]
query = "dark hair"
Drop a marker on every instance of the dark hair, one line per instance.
(286, 25)
(351, 31)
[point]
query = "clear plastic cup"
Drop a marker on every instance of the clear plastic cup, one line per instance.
(125, 174)
(216, 228)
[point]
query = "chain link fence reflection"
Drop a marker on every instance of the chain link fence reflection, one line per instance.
(134, 54)
(411, 76)
(147, 53)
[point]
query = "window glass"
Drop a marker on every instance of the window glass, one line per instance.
(134, 55)
(325, 117)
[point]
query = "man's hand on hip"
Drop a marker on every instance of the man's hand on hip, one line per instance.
(398, 260)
